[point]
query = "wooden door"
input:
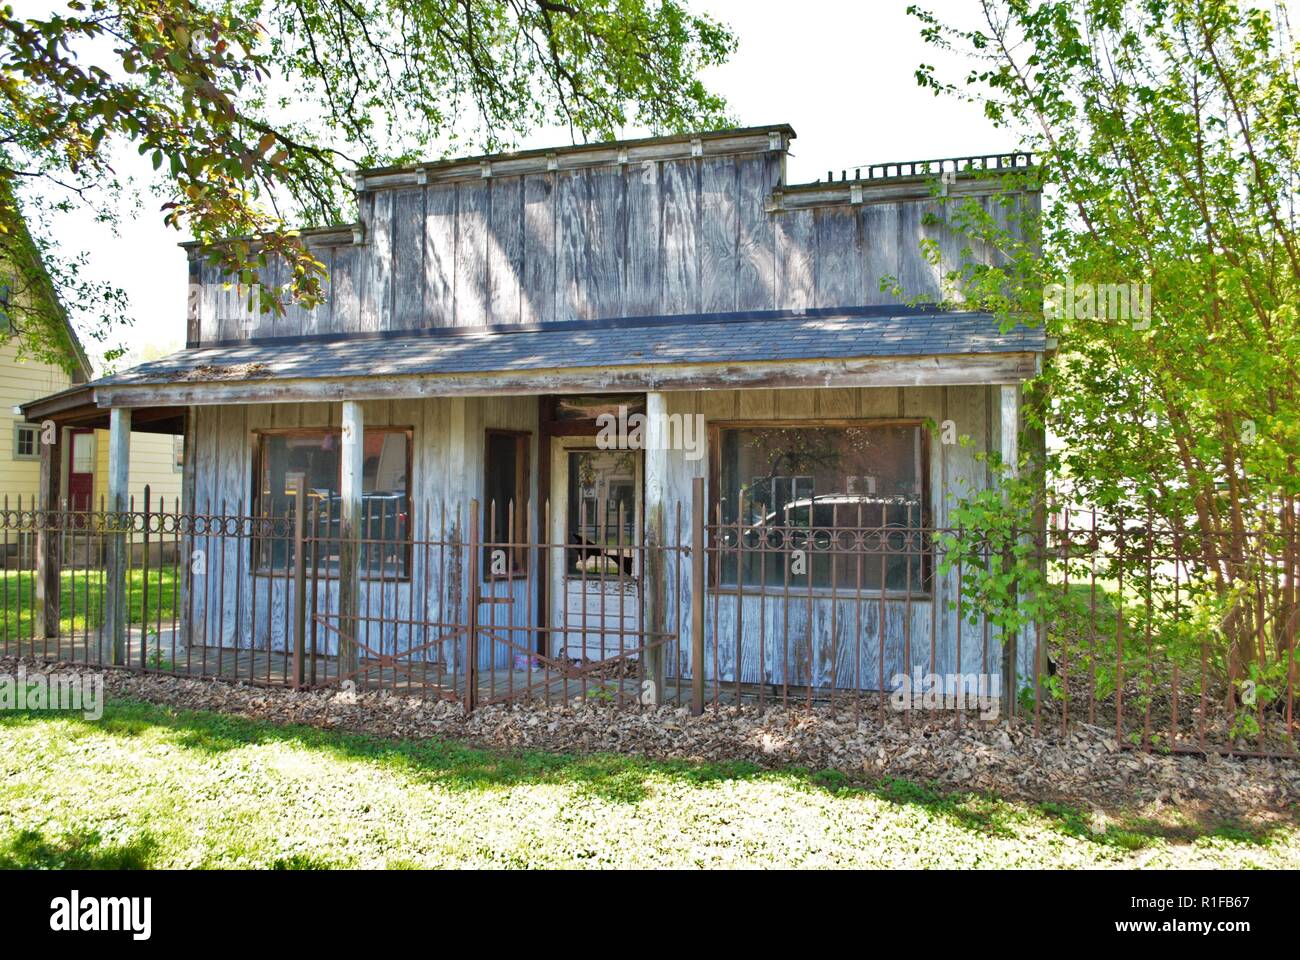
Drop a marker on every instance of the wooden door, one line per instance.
(81, 470)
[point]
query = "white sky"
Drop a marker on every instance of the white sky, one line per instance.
(839, 72)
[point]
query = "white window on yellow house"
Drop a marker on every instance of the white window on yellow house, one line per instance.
(178, 453)
(27, 441)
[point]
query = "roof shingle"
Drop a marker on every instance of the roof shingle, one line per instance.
(735, 338)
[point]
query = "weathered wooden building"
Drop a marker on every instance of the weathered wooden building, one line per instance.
(483, 311)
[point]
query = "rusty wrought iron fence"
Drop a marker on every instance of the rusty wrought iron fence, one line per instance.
(860, 609)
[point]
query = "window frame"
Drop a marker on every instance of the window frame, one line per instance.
(713, 574)
(519, 559)
(19, 427)
(258, 436)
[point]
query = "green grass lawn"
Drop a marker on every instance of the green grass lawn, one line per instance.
(147, 786)
(82, 599)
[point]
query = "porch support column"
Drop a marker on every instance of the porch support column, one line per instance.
(1009, 451)
(188, 505)
(656, 594)
(112, 637)
(456, 591)
(48, 530)
(353, 461)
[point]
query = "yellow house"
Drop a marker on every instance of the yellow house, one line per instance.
(155, 458)
(83, 468)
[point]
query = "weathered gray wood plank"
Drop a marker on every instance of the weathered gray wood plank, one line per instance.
(377, 286)
(795, 266)
(643, 278)
(538, 286)
(719, 228)
(346, 300)
(440, 255)
(756, 233)
(916, 276)
(408, 259)
(838, 273)
(681, 265)
(471, 254)
(505, 250)
(880, 249)
(571, 289)
(606, 241)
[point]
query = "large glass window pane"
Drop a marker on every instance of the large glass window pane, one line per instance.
(602, 513)
(83, 453)
(848, 498)
(311, 460)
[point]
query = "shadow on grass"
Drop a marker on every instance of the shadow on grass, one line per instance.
(80, 850)
(614, 778)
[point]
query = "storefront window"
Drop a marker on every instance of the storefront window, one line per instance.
(849, 499)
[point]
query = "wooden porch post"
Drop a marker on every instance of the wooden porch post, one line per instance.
(656, 481)
(353, 461)
(455, 593)
(1009, 450)
(187, 505)
(48, 533)
(112, 637)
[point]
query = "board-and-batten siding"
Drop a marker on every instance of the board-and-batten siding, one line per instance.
(447, 471)
(843, 634)
(659, 237)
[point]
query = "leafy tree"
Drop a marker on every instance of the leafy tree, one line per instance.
(253, 112)
(1166, 261)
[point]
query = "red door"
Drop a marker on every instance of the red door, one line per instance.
(81, 470)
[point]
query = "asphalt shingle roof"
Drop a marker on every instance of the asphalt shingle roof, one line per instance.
(736, 338)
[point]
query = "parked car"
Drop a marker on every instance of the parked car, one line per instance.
(833, 510)
(385, 525)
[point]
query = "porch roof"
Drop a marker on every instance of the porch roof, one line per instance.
(885, 346)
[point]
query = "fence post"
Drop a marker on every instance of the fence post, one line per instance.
(655, 455)
(471, 613)
(697, 596)
(655, 601)
(299, 586)
(48, 539)
(187, 503)
(112, 637)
